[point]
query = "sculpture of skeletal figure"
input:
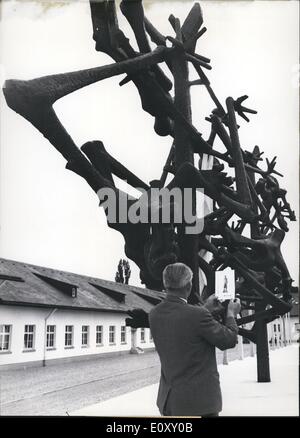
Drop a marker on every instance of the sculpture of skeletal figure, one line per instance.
(257, 260)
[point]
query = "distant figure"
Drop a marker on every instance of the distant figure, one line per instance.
(185, 337)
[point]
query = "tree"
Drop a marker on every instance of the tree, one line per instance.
(123, 272)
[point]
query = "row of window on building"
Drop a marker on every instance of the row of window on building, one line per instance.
(30, 334)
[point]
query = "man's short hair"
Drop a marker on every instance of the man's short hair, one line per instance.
(177, 276)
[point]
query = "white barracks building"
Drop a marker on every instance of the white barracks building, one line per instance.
(49, 315)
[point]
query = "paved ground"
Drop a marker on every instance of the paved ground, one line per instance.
(242, 395)
(57, 389)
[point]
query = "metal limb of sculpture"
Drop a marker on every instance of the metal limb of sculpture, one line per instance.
(263, 276)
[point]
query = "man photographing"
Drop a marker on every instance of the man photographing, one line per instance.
(185, 337)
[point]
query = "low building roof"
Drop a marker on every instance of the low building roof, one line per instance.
(30, 285)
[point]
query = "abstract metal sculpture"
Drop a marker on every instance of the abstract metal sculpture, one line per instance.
(264, 281)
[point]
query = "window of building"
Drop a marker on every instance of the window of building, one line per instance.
(69, 336)
(143, 338)
(99, 335)
(123, 334)
(5, 336)
(29, 337)
(85, 336)
(150, 336)
(112, 334)
(50, 342)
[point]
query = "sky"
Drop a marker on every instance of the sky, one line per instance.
(48, 215)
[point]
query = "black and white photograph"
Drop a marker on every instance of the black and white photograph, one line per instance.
(149, 210)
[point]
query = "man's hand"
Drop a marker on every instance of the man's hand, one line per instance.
(214, 306)
(138, 318)
(234, 308)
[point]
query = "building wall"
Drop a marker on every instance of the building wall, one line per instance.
(294, 332)
(18, 317)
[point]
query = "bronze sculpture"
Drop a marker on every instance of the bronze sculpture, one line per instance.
(262, 204)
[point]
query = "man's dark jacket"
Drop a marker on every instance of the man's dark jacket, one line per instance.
(185, 337)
